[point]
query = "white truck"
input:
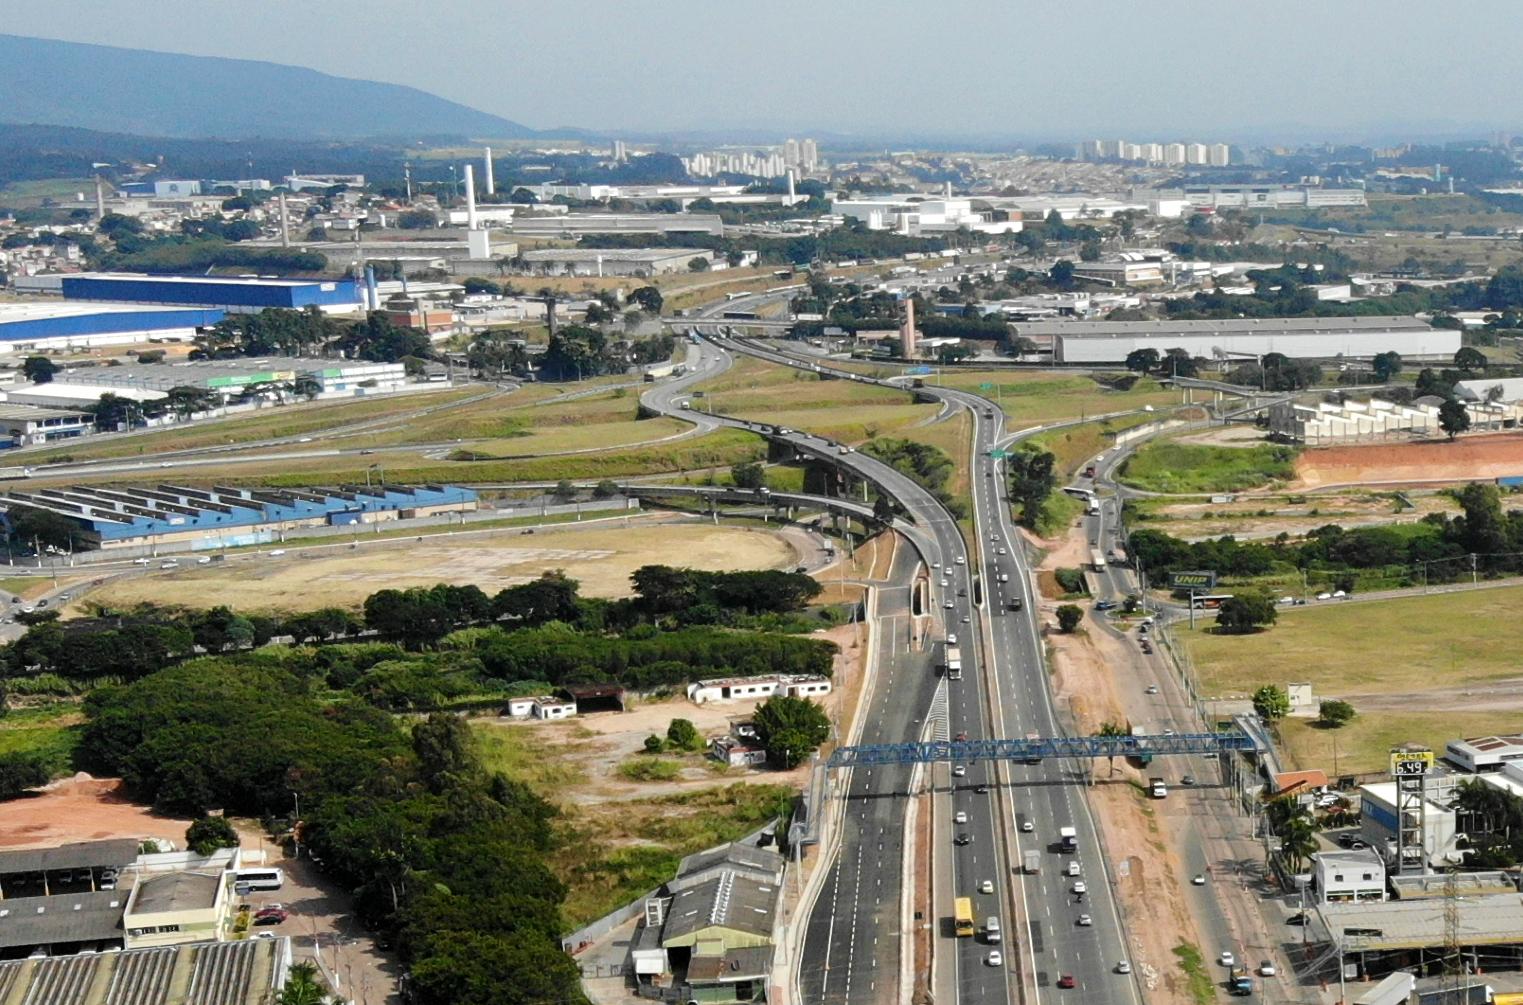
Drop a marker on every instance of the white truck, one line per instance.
(1032, 860)
(1157, 789)
(1069, 838)
(954, 662)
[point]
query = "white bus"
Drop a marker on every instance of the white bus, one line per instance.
(258, 879)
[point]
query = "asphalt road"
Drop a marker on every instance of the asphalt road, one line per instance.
(1010, 697)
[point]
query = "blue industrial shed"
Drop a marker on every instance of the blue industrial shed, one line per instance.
(53, 322)
(230, 516)
(237, 294)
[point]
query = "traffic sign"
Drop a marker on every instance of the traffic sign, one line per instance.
(1203, 579)
(998, 454)
(918, 371)
(1411, 763)
(986, 386)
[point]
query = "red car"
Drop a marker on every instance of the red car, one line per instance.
(270, 917)
(1067, 981)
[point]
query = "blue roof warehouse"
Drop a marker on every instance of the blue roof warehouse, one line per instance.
(25, 327)
(223, 517)
(234, 294)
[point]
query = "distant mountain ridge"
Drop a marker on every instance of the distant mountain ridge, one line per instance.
(118, 90)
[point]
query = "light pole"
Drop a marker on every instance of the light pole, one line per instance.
(296, 823)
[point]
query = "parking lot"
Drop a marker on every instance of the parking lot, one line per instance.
(318, 918)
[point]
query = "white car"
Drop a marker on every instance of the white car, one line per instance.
(993, 538)
(960, 817)
(169, 565)
(1287, 600)
(949, 605)
(1004, 577)
(1152, 689)
(1002, 551)
(1085, 921)
(140, 561)
(1339, 594)
(1073, 868)
(204, 560)
(995, 959)
(1200, 879)
(1079, 887)
(1324, 596)
(951, 638)
(1123, 967)
(277, 552)
(959, 770)
(987, 886)
(961, 561)
(1027, 826)
(1227, 959)
(1266, 969)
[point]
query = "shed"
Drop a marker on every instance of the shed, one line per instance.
(597, 698)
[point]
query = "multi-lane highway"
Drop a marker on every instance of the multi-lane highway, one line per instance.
(853, 942)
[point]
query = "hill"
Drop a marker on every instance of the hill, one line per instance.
(166, 94)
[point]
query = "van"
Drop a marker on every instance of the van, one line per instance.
(991, 929)
(1073, 868)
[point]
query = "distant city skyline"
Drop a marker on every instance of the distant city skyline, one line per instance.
(975, 69)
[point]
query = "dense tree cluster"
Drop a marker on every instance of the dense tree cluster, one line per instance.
(310, 332)
(445, 856)
(1438, 547)
(928, 466)
(1032, 475)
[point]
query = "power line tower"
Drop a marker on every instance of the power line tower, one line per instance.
(1454, 961)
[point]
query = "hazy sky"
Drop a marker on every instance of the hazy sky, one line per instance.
(1140, 70)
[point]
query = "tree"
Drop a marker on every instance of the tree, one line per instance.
(1298, 840)
(790, 729)
(1386, 365)
(683, 735)
(654, 744)
(38, 369)
(417, 219)
(1061, 273)
(1334, 713)
(446, 751)
(1142, 360)
(1069, 616)
(605, 489)
(1271, 702)
(648, 298)
(1470, 359)
(1245, 613)
(1113, 729)
(748, 475)
(20, 771)
(1089, 251)
(206, 834)
(302, 986)
(30, 526)
(1453, 417)
(699, 264)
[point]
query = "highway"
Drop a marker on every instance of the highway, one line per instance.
(1003, 692)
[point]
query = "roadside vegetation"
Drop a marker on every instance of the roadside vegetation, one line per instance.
(1172, 467)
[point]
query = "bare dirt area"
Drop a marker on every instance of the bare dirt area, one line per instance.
(601, 558)
(82, 808)
(1255, 516)
(1484, 456)
(1227, 436)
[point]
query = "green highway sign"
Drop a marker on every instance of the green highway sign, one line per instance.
(986, 387)
(1199, 580)
(999, 455)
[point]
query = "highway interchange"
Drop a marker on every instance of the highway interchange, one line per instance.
(855, 936)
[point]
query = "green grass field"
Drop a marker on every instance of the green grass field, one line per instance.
(1364, 744)
(52, 731)
(1034, 398)
(1172, 467)
(842, 410)
(1410, 644)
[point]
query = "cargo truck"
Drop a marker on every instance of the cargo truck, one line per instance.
(1069, 837)
(1032, 737)
(954, 663)
(1157, 789)
(1033, 861)
(1117, 556)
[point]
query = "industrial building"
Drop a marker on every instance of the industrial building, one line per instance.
(710, 934)
(1271, 196)
(1355, 876)
(29, 327)
(574, 225)
(917, 215)
(614, 261)
(181, 517)
(765, 686)
(235, 295)
(23, 426)
(1484, 753)
(1245, 338)
(249, 972)
(1440, 832)
(1326, 422)
(231, 377)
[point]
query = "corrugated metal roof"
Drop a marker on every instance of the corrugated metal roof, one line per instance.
(80, 855)
(208, 973)
(67, 917)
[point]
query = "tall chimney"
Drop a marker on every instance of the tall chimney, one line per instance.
(907, 333)
(792, 193)
(372, 296)
(100, 198)
(470, 197)
(285, 223)
(486, 155)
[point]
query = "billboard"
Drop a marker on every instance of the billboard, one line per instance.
(1197, 580)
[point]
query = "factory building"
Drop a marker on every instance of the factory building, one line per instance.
(614, 261)
(573, 225)
(1246, 338)
(222, 517)
(1271, 196)
(1326, 422)
(918, 215)
(237, 295)
(29, 327)
(21, 426)
(229, 378)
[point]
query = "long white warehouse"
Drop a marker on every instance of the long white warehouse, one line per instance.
(1245, 338)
